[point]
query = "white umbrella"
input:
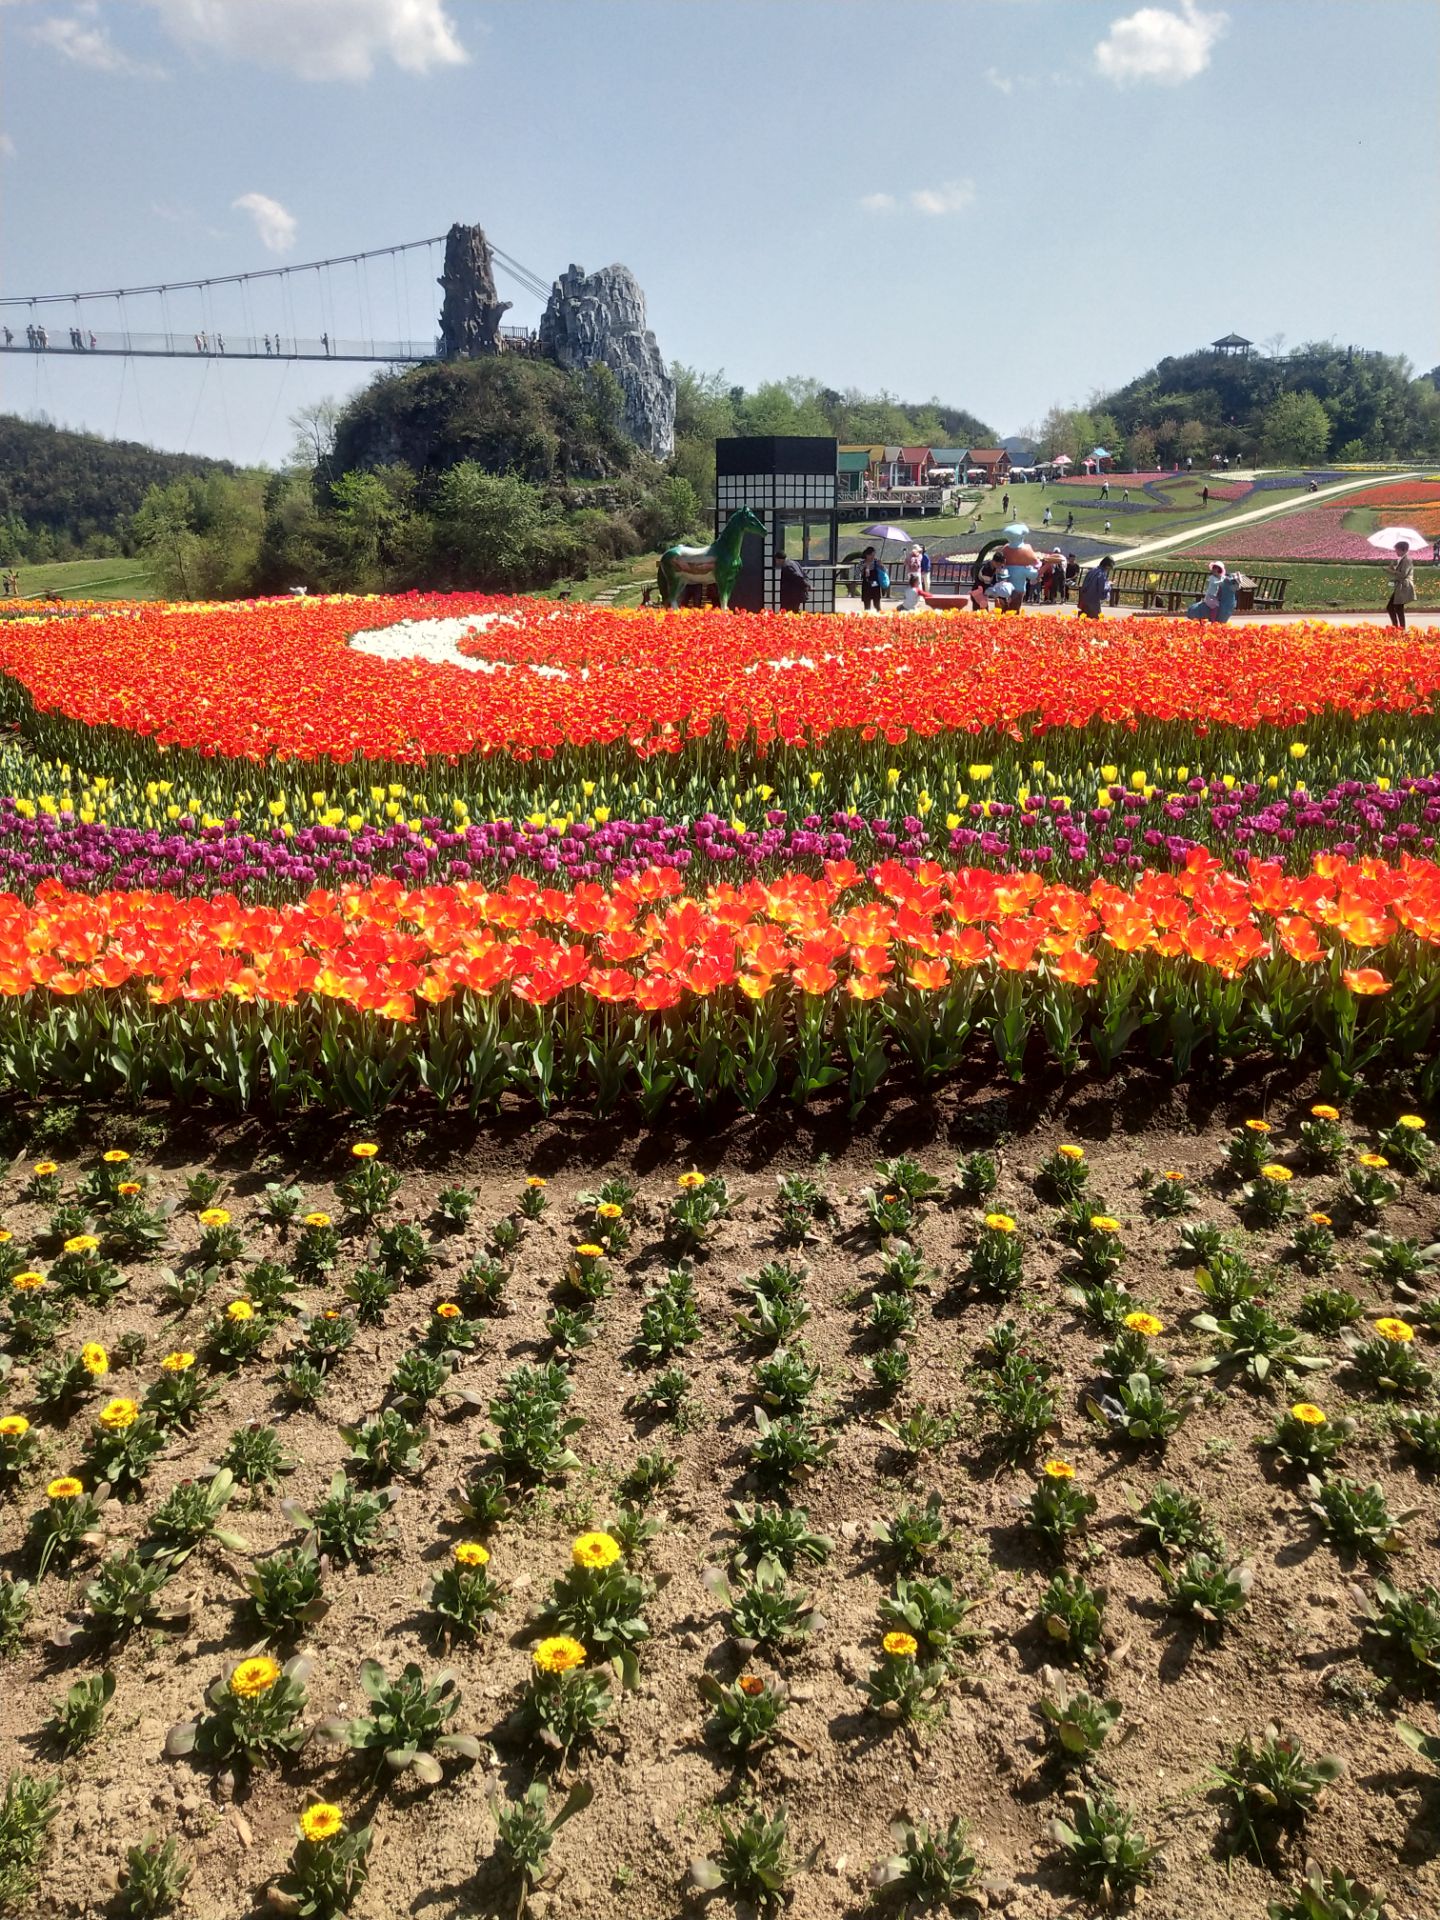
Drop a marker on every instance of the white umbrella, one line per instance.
(1390, 537)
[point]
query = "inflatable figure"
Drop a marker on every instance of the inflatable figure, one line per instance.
(717, 565)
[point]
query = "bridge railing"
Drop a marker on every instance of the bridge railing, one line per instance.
(34, 337)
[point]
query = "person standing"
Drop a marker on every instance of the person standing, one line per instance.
(1093, 589)
(1402, 584)
(1047, 519)
(1204, 496)
(794, 588)
(924, 570)
(1070, 520)
(870, 586)
(1005, 503)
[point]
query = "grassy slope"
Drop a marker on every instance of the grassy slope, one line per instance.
(117, 579)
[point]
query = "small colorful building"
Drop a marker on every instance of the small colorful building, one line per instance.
(990, 464)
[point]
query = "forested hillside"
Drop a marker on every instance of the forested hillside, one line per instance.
(67, 495)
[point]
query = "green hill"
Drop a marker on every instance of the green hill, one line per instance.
(65, 495)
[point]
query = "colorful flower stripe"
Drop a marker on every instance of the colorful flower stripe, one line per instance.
(276, 679)
(1314, 533)
(364, 994)
(1123, 829)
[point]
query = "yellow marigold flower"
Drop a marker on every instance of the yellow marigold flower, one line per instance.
(317, 1219)
(1258, 1126)
(691, 1182)
(81, 1243)
(595, 1550)
(999, 1223)
(1400, 1331)
(1104, 1223)
(1322, 1112)
(559, 1654)
(214, 1217)
(1147, 1323)
(239, 1310)
(322, 1821)
(253, 1676)
(67, 1487)
(1372, 1160)
(534, 1181)
(447, 1310)
(13, 1425)
(1274, 1171)
(1321, 1220)
(128, 1189)
(1411, 1122)
(1172, 1176)
(1059, 1470)
(901, 1646)
(364, 1150)
(1307, 1414)
(177, 1362)
(608, 1210)
(589, 1251)
(116, 1415)
(751, 1685)
(5, 1236)
(116, 1157)
(470, 1553)
(94, 1358)
(27, 1282)
(1071, 1153)
(45, 1169)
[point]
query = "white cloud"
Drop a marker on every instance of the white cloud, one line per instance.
(1001, 82)
(1157, 45)
(953, 197)
(318, 39)
(275, 224)
(878, 202)
(7, 146)
(82, 37)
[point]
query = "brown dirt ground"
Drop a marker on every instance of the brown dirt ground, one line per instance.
(657, 1785)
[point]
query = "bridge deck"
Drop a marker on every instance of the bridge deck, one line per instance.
(88, 344)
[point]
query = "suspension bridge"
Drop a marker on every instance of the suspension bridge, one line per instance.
(351, 307)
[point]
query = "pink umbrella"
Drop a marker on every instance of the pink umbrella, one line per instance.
(1062, 460)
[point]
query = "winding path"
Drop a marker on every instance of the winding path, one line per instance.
(1165, 543)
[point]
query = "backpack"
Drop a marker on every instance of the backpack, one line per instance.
(882, 578)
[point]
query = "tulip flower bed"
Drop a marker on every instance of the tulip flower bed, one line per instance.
(791, 984)
(1314, 533)
(395, 1526)
(703, 696)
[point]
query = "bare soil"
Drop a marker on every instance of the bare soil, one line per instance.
(1293, 1657)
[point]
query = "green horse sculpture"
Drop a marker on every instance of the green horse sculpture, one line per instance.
(717, 565)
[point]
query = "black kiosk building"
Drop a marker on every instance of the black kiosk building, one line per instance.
(791, 482)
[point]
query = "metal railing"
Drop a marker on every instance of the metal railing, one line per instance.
(79, 342)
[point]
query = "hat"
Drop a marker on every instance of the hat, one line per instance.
(1217, 566)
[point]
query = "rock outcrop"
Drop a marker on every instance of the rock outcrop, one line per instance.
(601, 316)
(472, 310)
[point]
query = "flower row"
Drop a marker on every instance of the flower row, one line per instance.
(647, 988)
(277, 679)
(1124, 828)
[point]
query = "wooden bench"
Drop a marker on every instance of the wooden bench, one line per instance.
(1175, 588)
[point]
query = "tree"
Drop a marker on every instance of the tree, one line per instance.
(1141, 449)
(669, 513)
(1295, 427)
(315, 425)
(491, 528)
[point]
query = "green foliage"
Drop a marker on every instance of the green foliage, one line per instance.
(1110, 1855)
(153, 1879)
(1326, 1896)
(406, 1729)
(25, 1815)
(751, 1863)
(780, 1534)
(1270, 1782)
(1077, 1723)
(78, 1718)
(1073, 1615)
(526, 1829)
(286, 1591)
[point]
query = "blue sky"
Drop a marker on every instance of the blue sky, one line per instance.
(1002, 203)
